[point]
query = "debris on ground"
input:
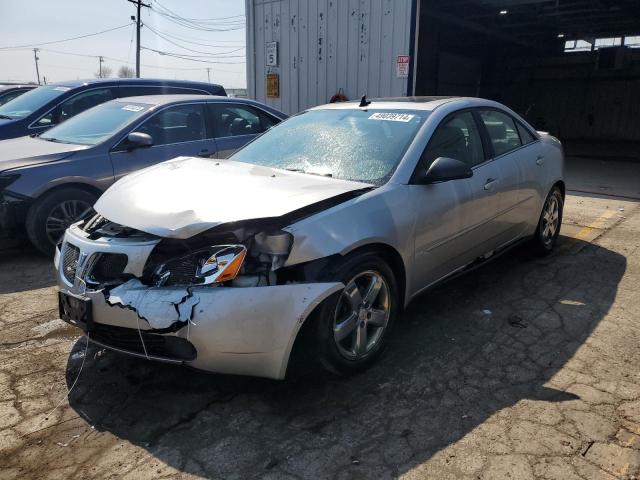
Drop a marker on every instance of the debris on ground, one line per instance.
(517, 321)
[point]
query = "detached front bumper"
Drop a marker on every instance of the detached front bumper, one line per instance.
(246, 331)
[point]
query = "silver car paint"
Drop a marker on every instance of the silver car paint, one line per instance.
(244, 331)
(435, 229)
(185, 196)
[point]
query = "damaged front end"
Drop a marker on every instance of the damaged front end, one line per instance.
(220, 300)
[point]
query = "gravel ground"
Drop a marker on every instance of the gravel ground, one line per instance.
(527, 368)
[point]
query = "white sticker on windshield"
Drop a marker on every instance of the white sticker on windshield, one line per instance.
(392, 117)
(133, 108)
(62, 89)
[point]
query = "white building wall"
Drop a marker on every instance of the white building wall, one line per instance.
(325, 45)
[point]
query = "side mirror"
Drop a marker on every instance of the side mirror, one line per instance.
(444, 169)
(139, 140)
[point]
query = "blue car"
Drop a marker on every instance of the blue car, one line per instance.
(44, 107)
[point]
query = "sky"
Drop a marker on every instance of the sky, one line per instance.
(213, 37)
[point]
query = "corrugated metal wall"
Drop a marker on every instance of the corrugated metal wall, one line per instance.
(325, 45)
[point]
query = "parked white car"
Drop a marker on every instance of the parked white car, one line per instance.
(322, 229)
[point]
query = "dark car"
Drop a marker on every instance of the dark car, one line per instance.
(49, 181)
(46, 106)
(9, 92)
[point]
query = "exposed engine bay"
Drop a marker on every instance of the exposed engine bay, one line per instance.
(246, 256)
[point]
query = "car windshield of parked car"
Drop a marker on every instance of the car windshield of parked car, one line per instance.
(31, 101)
(349, 144)
(96, 124)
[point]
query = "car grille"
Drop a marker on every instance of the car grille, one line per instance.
(109, 266)
(128, 340)
(70, 255)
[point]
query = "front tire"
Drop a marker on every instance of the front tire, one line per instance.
(550, 222)
(351, 327)
(52, 214)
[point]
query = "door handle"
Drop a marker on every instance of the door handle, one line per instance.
(204, 153)
(540, 160)
(490, 183)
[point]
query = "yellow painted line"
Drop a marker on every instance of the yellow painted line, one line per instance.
(598, 224)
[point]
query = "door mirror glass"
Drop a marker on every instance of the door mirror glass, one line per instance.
(444, 169)
(139, 140)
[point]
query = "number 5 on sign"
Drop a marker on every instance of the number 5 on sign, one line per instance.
(272, 54)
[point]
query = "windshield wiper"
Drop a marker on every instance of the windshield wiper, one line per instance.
(6, 117)
(51, 139)
(300, 170)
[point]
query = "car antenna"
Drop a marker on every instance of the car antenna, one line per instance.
(364, 102)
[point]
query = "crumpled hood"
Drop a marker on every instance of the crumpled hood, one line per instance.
(185, 196)
(27, 151)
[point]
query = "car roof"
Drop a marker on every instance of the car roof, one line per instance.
(15, 86)
(408, 103)
(176, 97)
(133, 81)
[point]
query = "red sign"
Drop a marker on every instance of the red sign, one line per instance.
(402, 66)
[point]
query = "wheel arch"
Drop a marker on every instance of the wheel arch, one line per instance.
(302, 346)
(561, 185)
(87, 187)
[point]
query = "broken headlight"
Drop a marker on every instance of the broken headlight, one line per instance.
(205, 266)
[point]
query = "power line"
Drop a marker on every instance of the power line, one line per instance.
(186, 55)
(200, 42)
(167, 12)
(191, 49)
(172, 54)
(64, 40)
(133, 63)
(196, 25)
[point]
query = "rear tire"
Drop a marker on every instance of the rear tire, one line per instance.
(52, 214)
(351, 327)
(549, 223)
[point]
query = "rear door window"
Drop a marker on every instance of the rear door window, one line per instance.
(502, 131)
(176, 124)
(235, 119)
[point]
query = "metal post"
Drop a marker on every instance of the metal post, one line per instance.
(208, 74)
(100, 60)
(139, 5)
(138, 41)
(35, 56)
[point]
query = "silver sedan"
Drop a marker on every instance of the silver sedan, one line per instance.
(316, 235)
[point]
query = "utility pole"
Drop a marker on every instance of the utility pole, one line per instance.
(35, 56)
(208, 74)
(139, 5)
(100, 62)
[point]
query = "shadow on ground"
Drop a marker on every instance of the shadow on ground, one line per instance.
(21, 269)
(459, 354)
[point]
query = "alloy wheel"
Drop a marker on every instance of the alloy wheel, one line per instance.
(550, 220)
(64, 215)
(362, 315)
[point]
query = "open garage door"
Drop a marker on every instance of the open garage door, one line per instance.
(571, 67)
